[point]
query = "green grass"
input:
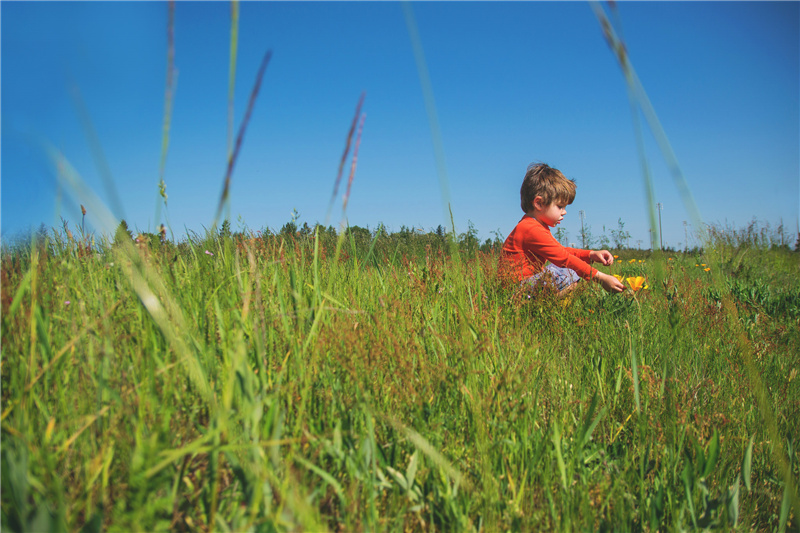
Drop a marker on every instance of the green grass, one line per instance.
(307, 381)
(296, 383)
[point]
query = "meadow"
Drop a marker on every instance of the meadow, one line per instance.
(311, 379)
(371, 381)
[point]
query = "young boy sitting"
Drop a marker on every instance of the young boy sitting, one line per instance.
(544, 195)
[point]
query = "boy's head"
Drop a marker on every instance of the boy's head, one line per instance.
(547, 182)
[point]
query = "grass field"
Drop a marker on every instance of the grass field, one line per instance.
(317, 380)
(309, 381)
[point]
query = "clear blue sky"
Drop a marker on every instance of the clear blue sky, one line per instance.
(513, 83)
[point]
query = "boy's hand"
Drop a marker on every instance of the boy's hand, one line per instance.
(601, 256)
(609, 283)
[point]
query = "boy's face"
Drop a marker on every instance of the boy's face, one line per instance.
(551, 214)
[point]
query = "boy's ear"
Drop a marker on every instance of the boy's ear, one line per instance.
(538, 203)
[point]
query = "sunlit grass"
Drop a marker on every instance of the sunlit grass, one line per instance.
(383, 389)
(351, 380)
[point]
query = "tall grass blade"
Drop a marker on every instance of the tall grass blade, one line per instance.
(371, 250)
(428, 449)
(349, 140)
(785, 508)
(430, 105)
(562, 469)
(326, 477)
(635, 377)
(98, 154)
(24, 286)
(732, 503)
(240, 137)
(353, 165)
(70, 181)
(589, 425)
(712, 454)
(731, 312)
(637, 89)
(172, 75)
(747, 463)
(144, 280)
(232, 69)
(638, 133)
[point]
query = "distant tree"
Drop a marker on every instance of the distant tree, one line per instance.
(469, 239)
(288, 229)
(359, 234)
(225, 229)
(586, 236)
(41, 233)
(620, 236)
(499, 239)
(562, 236)
(490, 245)
(122, 232)
(603, 241)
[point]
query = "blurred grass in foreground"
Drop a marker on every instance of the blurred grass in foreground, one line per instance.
(307, 380)
(390, 388)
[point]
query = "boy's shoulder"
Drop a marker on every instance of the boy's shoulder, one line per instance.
(528, 223)
(528, 233)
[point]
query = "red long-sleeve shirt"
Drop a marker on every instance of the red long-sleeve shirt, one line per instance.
(530, 245)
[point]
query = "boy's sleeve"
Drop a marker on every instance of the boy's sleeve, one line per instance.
(575, 258)
(580, 253)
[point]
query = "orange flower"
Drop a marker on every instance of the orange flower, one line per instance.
(616, 257)
(636, 283)
(632, 261)
(707, 269)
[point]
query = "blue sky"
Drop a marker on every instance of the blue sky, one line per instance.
(513, 83)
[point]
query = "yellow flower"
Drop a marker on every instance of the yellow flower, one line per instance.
(616, 257)
(618, 277)
(702, 264)
(696, 265)
(636, 283)
(632, 261)
(641, 261)
(707, 269)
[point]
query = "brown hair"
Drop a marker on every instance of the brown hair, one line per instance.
(547, 182)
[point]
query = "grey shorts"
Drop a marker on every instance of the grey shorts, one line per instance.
(559, 277)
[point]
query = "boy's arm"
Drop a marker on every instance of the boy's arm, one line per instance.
(593, 256)
(601, 256)
(542, 243)
(609, 283)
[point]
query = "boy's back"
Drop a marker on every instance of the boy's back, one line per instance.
(544, 197)
(530, 245)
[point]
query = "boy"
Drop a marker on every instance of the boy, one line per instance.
(544, 195)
